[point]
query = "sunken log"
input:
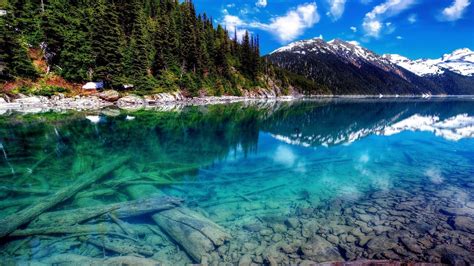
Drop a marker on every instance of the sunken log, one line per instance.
(13, 221)
(120, 210)
(197, 235)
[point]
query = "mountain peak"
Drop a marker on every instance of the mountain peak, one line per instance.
(296, 46)
(460, 61)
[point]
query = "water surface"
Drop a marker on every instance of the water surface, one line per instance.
(291, 182)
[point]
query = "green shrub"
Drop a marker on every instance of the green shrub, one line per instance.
(46, 90)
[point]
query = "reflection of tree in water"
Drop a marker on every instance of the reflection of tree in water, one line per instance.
(195, 136)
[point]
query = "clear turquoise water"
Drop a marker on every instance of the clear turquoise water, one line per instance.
(387, 168)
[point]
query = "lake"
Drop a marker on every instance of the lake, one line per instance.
(293, 182)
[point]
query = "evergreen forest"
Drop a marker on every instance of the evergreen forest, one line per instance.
(152, 45)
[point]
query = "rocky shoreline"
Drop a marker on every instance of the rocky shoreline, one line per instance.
(110, 98)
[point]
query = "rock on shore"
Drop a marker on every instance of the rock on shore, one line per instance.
(113, 98)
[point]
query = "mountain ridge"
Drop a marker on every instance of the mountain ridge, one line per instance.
(347, 67)
(460, 61)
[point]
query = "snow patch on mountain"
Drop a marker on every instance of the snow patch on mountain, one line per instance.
(460, 61)
(350, 52)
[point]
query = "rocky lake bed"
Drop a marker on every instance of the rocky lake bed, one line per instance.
(247, 183)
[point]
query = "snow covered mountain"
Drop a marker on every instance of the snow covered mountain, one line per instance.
(350, 52)
(343, 67)
(460, 61)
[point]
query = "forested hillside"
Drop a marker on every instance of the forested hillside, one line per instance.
(154, 45)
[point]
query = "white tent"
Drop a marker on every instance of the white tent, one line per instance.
(93, 85)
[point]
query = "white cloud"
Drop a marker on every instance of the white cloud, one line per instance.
(412, 18)
(356, 43)
(336, 9)
(261, 3)
(286, 28)
(455, 10)
(293, 24)
(399, 37)
(231, 5)
(353, 29)
(373, 21)
(234, 23)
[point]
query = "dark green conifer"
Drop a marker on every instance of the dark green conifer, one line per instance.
(14, 60)
(107, 44)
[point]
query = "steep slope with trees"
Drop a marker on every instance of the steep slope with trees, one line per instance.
(154, 45)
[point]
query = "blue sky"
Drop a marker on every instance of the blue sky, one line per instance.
(413, 28)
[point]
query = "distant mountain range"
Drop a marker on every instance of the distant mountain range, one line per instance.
(460, 61)
(342, 67)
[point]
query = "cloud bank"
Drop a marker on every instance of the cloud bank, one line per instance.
(455, 11)
(336, 9)
(285, 28)
(291, 25)
(373, 22)
(261, 3)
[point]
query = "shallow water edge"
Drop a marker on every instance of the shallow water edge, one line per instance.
(38, 104)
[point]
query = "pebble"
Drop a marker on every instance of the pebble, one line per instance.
(277, 237)
(245, 260)
(333, 239)
(292, 222)
(279, 228)
(411, 245)
(381, 243)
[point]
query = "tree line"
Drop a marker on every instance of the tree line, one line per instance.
(147, 43)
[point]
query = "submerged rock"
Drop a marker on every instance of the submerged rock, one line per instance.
(457, 211)
(292, 223)
(380, 244)
(463, 223)
(320, 250)
(454, 255)
(411, 244)
(245, 260)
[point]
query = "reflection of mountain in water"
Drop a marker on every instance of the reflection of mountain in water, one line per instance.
(453, 128)
(339, 122)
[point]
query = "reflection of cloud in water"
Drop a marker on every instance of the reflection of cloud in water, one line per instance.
(434, 175)
(453, 128)
(381, 181)
(349, 193)
(300, 167)
(290, 141)
(364, 158)
(378, 179)
(94, 118)
(285, 156)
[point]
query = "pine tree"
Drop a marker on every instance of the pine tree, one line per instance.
(246, 55)
(76, 58)
(107, 44)
(166, 39)
(140, 51)
(189, 41)
(14, 60)
(222, 50)
(27, 14)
